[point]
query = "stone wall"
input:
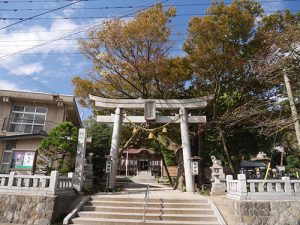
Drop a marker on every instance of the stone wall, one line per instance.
(33, 209)
(273, 212)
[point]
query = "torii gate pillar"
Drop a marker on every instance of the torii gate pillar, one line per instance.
(186, 150)
(115, 144)
(149, 107)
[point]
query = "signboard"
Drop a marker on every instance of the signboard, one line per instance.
(150, 110)
(23, 160)
(195, 170)
(108, 166)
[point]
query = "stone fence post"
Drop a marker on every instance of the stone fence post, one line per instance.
(242, 185)
(71, 175)
(228, 178)
(11, 180)
(53, 180)
(287, 184)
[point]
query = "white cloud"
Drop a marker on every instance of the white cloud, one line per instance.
(8, 85)
(29, 37)
(30, 69)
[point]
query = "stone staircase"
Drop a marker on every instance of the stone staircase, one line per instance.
(122, 210)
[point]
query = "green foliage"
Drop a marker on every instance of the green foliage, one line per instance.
(59, 147)
(63, 138)
(100, 146)
(293, 163)
(169, 156)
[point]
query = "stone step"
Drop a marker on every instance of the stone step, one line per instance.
(150, 204)
(124, 209)
(148, 216)
(105, 198)
(106, 221)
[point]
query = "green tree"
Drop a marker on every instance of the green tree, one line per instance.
(100, 145)
(59, 147)
(221, 47)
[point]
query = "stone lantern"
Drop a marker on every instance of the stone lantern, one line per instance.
(217, 177)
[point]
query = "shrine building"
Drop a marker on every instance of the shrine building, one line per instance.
(141, 159)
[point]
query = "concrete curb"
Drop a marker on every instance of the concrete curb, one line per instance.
(217, 212)
(72, 214)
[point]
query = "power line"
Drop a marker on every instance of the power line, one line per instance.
(77, 32)
(104, 17)
(19, 76)
(44, 1)
(129, 6)
(16, 73)
(73, 53)
(40, 14)
(67, 39)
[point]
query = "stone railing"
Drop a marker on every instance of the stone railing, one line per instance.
(36, 184)
(243, 189)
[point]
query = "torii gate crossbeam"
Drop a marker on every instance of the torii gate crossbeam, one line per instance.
(183, 118)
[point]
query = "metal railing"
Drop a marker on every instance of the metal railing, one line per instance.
(27, 126)
(146, 201)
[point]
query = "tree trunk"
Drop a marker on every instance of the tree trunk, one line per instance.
(179, 182)
(226, 150)
(165, 165)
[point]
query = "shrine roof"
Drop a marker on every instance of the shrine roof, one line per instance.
(139, 150)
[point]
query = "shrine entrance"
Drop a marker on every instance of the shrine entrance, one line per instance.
(143, 164)
(150, 107)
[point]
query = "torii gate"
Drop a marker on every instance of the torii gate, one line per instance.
(150, 106)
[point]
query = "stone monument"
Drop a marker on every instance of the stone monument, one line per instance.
(218, 180)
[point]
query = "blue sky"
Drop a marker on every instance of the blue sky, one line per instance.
(50, 67)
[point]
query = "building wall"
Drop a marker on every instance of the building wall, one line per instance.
(29, 144)
(5, 109)
(1, 150)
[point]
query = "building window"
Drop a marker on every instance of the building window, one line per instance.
(7, 156)
(27, 119)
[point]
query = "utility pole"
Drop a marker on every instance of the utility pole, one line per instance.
(293, 107)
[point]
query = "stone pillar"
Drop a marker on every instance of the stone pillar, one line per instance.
(115, 143)
(53, 180)
(186, 150)
(287, 184)
(80, 155)
(242, 184)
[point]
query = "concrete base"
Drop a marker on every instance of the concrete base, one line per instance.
(218, 189)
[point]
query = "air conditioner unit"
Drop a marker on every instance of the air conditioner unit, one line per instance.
(6, 99)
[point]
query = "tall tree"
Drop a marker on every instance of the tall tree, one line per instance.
(282, 34)
(221, 47)
(131, 58)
